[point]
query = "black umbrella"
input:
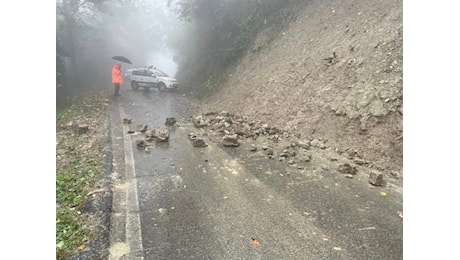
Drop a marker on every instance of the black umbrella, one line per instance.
(122, 59)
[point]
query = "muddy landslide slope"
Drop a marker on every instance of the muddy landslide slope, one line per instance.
(334, 73)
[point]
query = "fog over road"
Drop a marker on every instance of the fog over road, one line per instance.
(184, 202)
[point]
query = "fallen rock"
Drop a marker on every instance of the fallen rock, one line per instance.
(351, 153)
(304, 144)
(317, 143)
(395, 174)
(284, 154)
(377, 179)
(269, 151)
(162, 135)
(142, 128)
(230, 140)
(198, 142)
(170, 121)
(192, 136)
(347, 169)
(239, 129)
(141, 143)
(200, 121)
(216, 126)
(305, 158)
(150, 135)
(359, 161)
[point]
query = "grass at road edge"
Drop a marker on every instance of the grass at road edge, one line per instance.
(79, 163)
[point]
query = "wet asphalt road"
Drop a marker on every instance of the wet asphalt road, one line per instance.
(183, 202)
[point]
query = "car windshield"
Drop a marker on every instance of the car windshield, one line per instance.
(160, 73)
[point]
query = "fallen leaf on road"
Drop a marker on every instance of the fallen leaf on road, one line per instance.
(81, 247)
(383, 193)
(254, 242)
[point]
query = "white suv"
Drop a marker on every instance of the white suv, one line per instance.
(151, 78)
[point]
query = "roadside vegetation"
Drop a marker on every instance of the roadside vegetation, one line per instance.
(79, 163)
(206, 37)
(219, 33)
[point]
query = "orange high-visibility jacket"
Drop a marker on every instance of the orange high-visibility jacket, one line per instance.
(116, 74)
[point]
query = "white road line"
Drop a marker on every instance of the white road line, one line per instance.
(133, 221)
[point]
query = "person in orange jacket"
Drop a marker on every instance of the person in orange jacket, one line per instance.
(117, 79)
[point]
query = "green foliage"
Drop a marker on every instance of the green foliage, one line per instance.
(76, 173)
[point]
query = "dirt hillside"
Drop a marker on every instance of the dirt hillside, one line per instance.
(335, 73)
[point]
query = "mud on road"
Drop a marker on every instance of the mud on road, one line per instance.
(295, 197)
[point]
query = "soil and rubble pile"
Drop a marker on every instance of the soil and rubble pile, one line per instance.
(333, 76)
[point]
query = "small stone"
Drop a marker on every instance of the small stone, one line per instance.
(170, 121)
(359, 161)
(284, 155)
(200, 121)
(347, 169)
(253, 148)
(377, 179)
(269, 152)
(162, 136)
(318, 143)
(395, 174)
(141, 143)
(142, 128)
(304, 144)
(239, 129)
(198, 142)
(127, 120)
(230, 140)
(306, 158)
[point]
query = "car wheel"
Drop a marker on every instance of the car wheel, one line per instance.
(134, 85)
(162, 87)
